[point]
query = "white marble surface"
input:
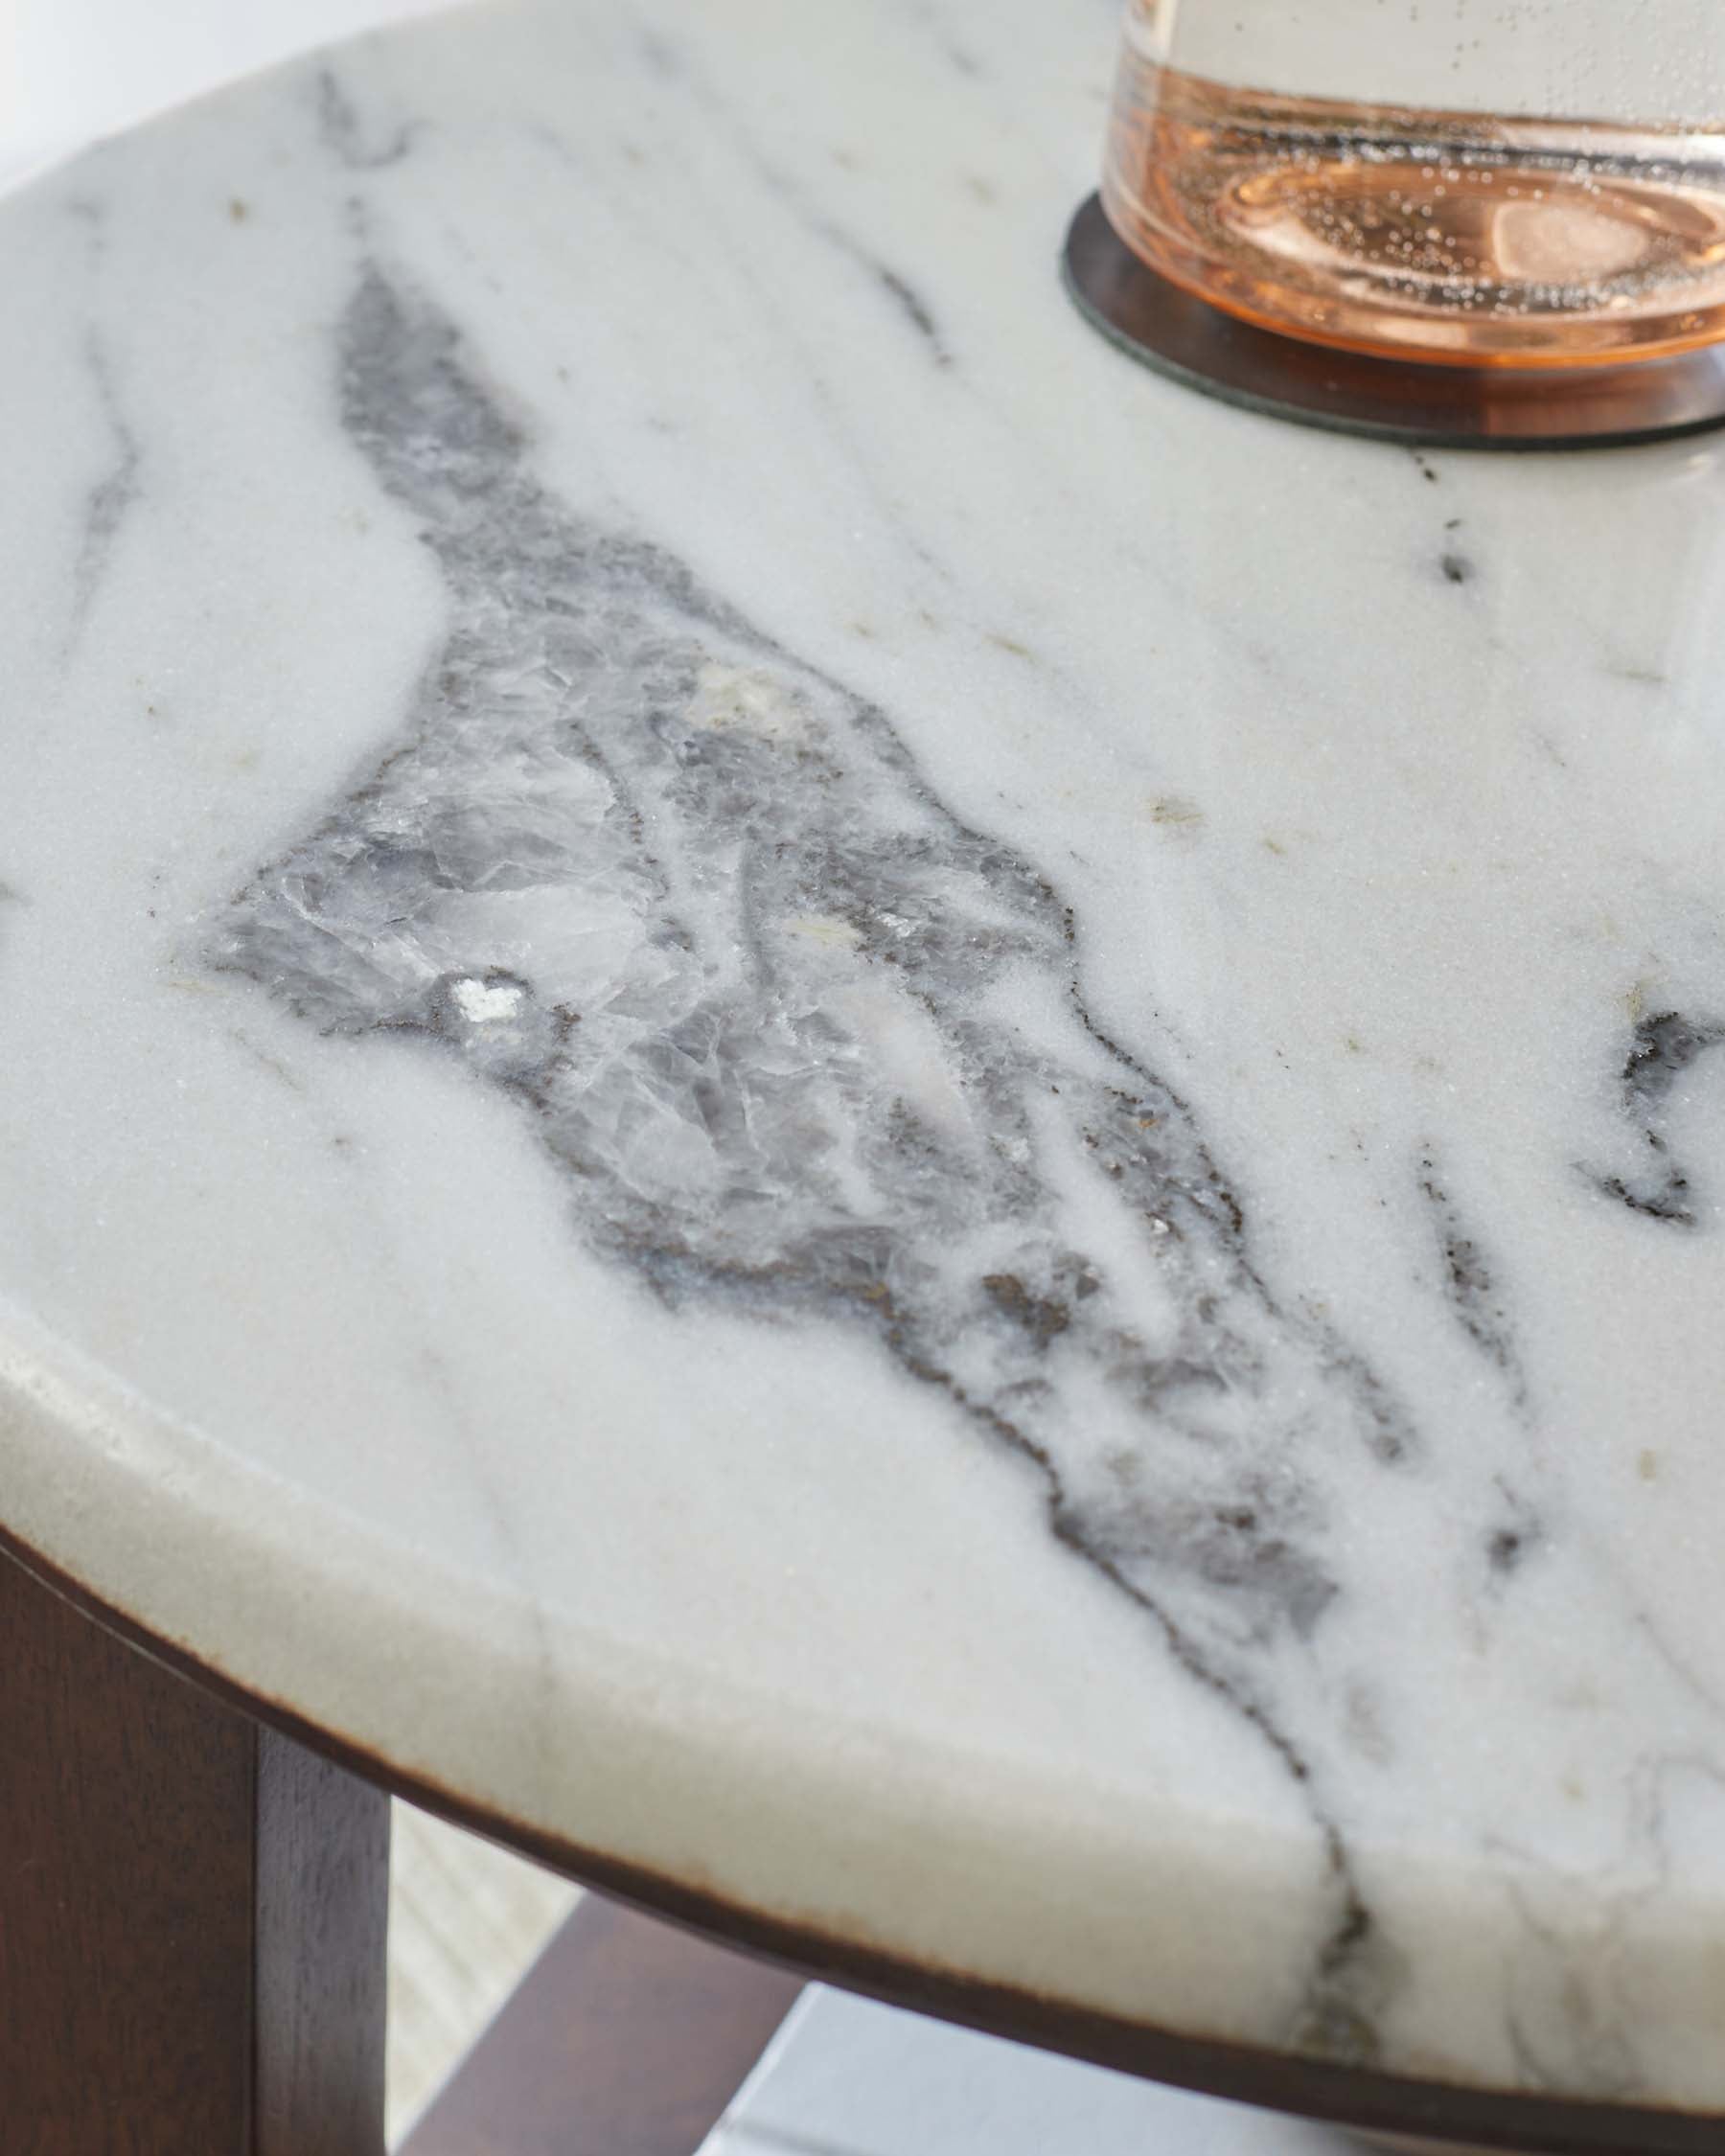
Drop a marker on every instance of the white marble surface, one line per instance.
(806, 1083)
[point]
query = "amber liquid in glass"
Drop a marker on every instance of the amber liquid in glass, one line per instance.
(1438, 236)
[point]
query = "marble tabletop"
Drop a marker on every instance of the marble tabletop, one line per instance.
(814, 1090)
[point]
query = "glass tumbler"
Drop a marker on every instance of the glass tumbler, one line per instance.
(1478, 182)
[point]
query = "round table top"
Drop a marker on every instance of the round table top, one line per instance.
(829, 1098)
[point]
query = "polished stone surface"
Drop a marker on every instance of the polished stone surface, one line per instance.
(827, 1094)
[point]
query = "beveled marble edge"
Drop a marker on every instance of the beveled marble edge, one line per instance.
(316, 1665)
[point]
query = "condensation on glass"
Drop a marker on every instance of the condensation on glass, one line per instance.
(1496, 182)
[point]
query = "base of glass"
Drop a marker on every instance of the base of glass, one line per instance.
(1572, 407)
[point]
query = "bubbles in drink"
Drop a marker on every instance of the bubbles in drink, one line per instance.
(1440, 235)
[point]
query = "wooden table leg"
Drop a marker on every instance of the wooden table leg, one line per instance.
(193, 1913)
(626, 2038)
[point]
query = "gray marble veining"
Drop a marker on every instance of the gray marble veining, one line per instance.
(879, 1117)
(695, 906)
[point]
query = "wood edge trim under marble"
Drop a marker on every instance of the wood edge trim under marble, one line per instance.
(626, 2037)
(1399, 2145)
(1357, 2097)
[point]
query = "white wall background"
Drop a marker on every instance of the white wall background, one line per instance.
(71, 70)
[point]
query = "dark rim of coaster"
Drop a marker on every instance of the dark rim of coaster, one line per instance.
(1392, 400)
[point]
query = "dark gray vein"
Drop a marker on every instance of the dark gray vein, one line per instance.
(109, 499)
(911, 303)
(694, 905)
(1666, 1047)
(1470, 1285)
(1517, 1537)
(960, 57)
(908, 300)
(343, 133)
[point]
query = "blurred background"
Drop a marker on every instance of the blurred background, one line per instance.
(72, 70)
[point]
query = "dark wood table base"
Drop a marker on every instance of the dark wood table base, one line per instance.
(192, 1912)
